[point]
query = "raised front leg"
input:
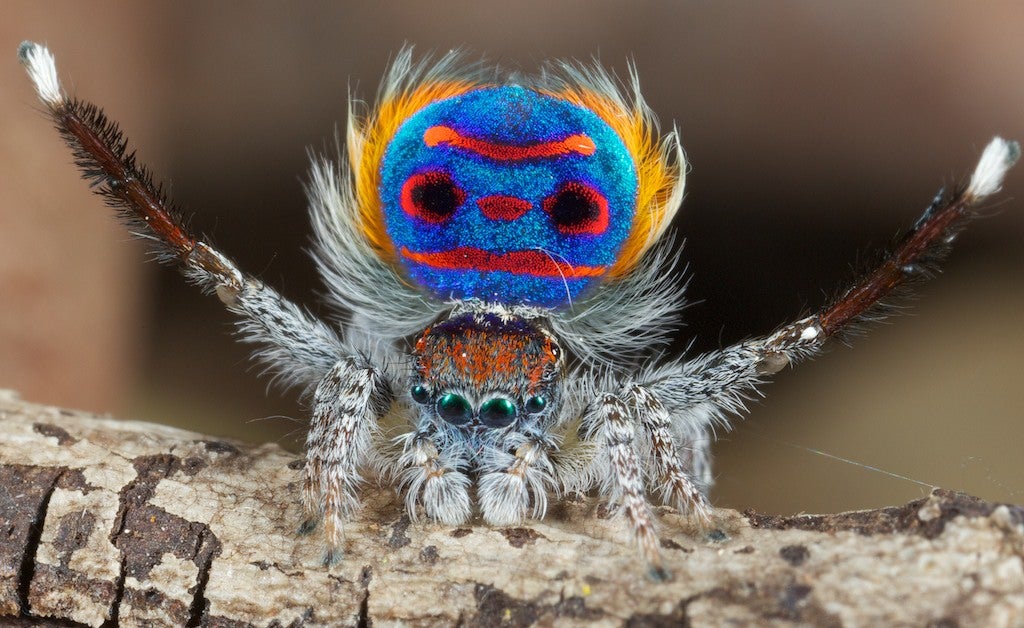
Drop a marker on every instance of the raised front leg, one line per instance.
(296, 347)
(346, 406)
(704, 389)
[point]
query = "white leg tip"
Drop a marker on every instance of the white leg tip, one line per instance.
(995, 160)
(42, 69)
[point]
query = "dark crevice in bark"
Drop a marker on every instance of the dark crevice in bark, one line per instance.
(150, 469)
(35, 535)
(115, 606)
(48, 622)
(209, 549)
(896, 519)
(364, 621)
(496, 607)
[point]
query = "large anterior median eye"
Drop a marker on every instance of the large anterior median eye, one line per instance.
(454, 409)
(498, 412)
(431, 196)
(577, 209)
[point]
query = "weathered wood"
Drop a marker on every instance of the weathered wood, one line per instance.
(107, 521)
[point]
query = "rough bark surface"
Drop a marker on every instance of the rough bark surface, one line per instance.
(118, 522)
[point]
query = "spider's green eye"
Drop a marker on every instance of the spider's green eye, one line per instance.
(536, 404)
(498, 412)
(454, 408)
(420, 394)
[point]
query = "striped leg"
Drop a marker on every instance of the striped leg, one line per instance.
(674, 478)
(346, 405)
(608, 422)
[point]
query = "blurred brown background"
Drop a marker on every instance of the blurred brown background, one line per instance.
(815, 131)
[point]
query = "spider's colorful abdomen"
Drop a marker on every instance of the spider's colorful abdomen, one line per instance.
(507, 195)
(474, 183)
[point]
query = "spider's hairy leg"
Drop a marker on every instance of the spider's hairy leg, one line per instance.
(505, 495)
(607, 421)
(430, 475)
(346, 406)
(298, 347)
(710, 385)
(677, 488)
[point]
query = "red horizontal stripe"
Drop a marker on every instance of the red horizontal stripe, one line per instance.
(533, 263)
(509, 152)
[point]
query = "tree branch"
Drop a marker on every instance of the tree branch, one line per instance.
(107, 521)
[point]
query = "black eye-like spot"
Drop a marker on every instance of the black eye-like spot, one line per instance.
(454, 409)
(498, 412)
(431, 196)
(577, 209)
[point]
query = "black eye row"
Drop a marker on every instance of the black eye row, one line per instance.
(575, 208)
(496, 412)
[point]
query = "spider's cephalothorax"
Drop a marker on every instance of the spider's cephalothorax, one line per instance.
(486, 383)
(487, 370)
(496, 243)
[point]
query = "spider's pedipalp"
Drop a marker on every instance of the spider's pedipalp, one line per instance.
(430, 473)
(519, 488)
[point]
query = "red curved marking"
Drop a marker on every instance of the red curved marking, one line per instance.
(412, 207)
(501, 207)
(533, 263)
(509, 152)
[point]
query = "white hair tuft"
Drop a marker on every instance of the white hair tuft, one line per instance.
(42, 69)
(995, 160)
